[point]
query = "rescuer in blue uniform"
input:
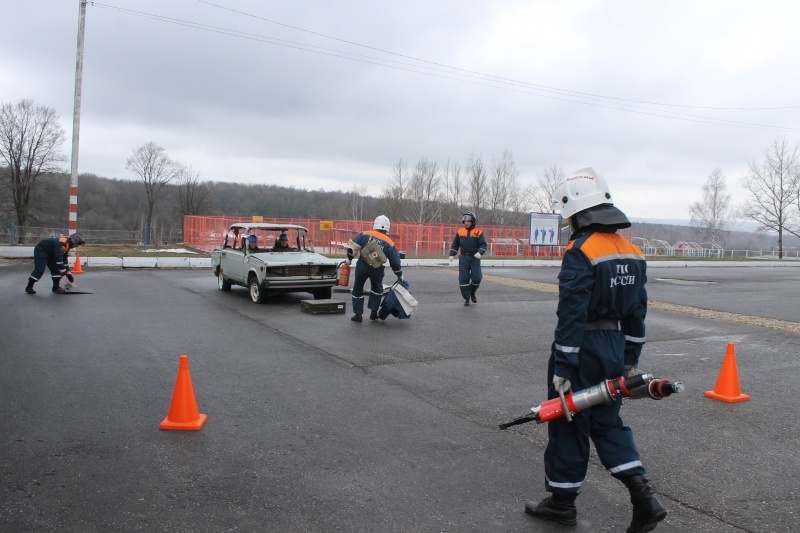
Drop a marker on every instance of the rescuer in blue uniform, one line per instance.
(361, 245)
(602, 303)
(53, 253)
(472, 244)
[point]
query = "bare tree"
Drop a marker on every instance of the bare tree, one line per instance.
(773, 189)
(540, 195)
(30, 139)
(503, 188)
(712, 215)
(357, 201)
(193, 196)
(395, 192)
(476, 181)
(153, 166)
(424, 193)
(452, 190)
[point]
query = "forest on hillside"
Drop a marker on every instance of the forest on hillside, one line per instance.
(114, 204)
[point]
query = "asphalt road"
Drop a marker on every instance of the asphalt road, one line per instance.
(319, 424)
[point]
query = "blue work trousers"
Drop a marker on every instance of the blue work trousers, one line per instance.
(567, 454)
(42, 260)
(469, 275)
(375, 276)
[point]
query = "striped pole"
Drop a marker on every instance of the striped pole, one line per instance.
(76, 121)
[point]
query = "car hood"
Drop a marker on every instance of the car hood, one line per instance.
(293, 258)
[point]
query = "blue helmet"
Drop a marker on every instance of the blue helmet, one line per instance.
(283, 237)
(252, 238)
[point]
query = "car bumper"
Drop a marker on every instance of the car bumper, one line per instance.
(298, 284)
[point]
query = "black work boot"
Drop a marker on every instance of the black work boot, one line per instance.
(474, 298)
(557, 508)
(356, 318)
(29, 288)
(466, 302)
(373, 315)
(647, 510)
(56, 287)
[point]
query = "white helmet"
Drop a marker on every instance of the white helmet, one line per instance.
(583, 189)
(381, 223)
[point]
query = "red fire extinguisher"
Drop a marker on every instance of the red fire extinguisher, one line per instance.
(344, 275)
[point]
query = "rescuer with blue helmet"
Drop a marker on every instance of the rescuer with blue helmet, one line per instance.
(53, 253)
(472, 243)
(373, 248)
(282, 244)
(599, 336)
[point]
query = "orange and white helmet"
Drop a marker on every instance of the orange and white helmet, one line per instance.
(583, 189)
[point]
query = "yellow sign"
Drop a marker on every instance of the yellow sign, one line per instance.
(258, 218)
(326, 225)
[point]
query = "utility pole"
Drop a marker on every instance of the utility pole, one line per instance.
(76, 121)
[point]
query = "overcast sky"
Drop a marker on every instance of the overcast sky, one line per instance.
(318, 94)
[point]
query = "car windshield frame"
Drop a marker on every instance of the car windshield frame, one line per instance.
(236, 237)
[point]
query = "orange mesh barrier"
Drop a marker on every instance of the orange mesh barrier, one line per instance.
(207, 233)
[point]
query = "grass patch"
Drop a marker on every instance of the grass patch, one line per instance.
(89, 250)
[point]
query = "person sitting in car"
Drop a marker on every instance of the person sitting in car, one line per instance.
(252, 244)
(282, 244)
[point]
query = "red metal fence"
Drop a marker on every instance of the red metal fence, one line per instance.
(207, 232)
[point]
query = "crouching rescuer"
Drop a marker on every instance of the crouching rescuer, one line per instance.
(373, 249)
(53, 253)
(599, 336)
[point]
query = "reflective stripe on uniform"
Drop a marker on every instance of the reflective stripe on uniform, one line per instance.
(559, 485)
(613, 257)
(637, 340)
(623, 467)
(568, 349)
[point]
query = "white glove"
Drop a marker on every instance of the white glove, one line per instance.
(477, 255)
(452, 257)
(349, 262)
(400, 278)
(562, 384)
(632, 371)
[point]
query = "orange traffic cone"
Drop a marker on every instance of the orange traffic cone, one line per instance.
(727, 388)
(183, 413)
(77, 269)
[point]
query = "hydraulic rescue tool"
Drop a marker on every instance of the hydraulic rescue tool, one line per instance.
(641, 386)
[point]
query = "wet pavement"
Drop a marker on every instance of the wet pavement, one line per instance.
(318, 424)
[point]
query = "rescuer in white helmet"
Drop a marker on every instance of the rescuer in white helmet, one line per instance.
(373, 249)
(600, 333)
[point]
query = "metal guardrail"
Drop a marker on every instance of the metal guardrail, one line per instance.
(31, 235)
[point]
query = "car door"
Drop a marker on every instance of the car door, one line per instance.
(231, 261)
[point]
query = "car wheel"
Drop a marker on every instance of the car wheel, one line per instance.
(257, 294)
(323, 294)
(222, 283)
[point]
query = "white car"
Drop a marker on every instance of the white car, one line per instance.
(271, 268)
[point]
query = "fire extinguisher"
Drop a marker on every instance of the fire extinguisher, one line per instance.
(344, 274)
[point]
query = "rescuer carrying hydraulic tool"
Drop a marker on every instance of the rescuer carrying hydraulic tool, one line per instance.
(373, 249)
(599, 336)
